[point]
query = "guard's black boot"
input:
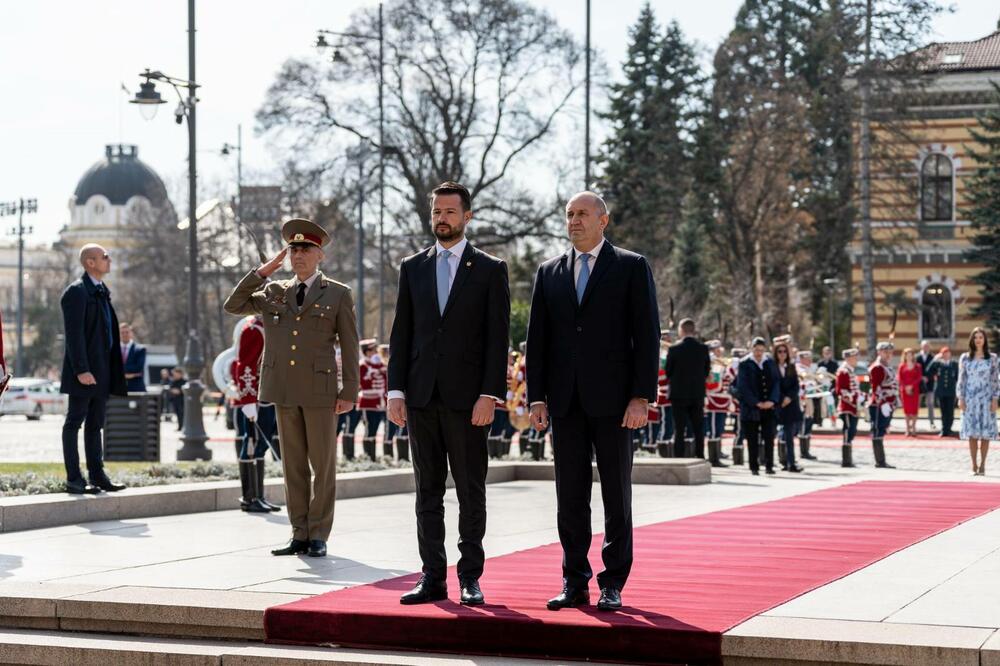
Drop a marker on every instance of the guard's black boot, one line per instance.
(846, 456)
(254, 505)
(879, 449)
(714, 447)
(245, 493)
(804, 442)
(403, 446)
(738, 454)
(368, 443)
(348, 439)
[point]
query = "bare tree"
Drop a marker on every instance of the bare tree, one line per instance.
(475, 90)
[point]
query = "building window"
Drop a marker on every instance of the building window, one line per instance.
(936, 181)
(936, 312)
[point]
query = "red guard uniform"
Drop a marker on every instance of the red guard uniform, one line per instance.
(884, 387)
(246, 366)
(847, 391)
(373, 385)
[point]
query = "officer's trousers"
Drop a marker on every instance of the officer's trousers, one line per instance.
(309, 438)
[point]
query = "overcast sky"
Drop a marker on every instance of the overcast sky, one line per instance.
(62, 64)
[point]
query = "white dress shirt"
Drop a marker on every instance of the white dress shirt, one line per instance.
(457, 250)
(578, 265)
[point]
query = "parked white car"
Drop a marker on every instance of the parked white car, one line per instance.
(32, 397)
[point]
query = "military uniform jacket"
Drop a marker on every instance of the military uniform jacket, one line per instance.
(884, 387)
(246, 366)
(847, 391)
(299, 364)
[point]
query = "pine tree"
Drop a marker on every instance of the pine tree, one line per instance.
(984, 212)
(646, 160)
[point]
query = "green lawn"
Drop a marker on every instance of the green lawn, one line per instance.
(58, 469)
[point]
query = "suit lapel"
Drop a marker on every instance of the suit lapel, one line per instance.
(566, 277)
(426, 279)
(601, 265)
(465, 265)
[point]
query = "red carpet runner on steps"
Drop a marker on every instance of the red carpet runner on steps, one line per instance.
(692, 580)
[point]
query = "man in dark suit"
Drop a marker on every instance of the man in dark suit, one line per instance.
(593, 348)
(92, 369)
(758, 392)
(447, 370)
(133, 358)
(687, 368)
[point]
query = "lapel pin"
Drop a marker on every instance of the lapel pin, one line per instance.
(468, 263)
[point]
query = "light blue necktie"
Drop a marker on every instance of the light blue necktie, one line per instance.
(443, 278)
(581, 282)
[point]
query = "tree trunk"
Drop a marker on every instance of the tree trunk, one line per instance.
(867, 259)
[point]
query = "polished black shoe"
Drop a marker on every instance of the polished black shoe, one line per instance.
(611, 599)
(794, 468)
(755, 472)
(425, 591)
(108, 485)
(570, 597)
(81, 487)
(294, 547)
(770, 471)
(317, 548)
(471, 594)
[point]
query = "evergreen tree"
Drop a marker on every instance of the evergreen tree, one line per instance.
(984, 212)
(646, 160)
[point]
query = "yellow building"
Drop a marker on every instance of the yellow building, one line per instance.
(919, 221)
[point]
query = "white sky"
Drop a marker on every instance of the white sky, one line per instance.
(62, 63)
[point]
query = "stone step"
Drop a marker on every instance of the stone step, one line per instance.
(54, 648)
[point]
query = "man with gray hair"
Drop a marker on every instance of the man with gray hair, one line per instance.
(925, 358)
(92, 369)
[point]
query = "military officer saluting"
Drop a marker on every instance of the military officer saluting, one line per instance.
(304, 319)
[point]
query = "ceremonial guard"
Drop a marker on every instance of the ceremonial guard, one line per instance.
(304, 318)
(737, 355)
(884, 399)
(718, 400)
(849, 398)
(371, 401)
(665, 434)
(809, 388)
(394, 435)
(503, 428)
(255, 421)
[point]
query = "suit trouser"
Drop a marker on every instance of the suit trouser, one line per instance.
(929, 398)
(947, 413)
(440, 436)
(760, 433)
(309, 439)
(88, 412)
(574, 436)
(689, 413)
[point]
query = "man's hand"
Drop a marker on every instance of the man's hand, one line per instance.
(482, 411)
(785, 401)
(767, 404)
(961, 405)
(86, 379)
(993, 405)
(397, 411)
(344, 406)
(636, 414)
(539, 416)
(273, 265)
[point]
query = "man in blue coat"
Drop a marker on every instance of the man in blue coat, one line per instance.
(133, 358)
(92, 369)
(758, 391)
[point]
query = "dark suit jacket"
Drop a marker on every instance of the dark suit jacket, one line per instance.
(136, 362)
(464, 351)
(754, 384)
(925, 360)
(87, 346)
(788, 387)
(687, 367)
(607, 347)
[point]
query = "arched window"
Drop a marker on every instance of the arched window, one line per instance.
(936, 188)
(936, 312)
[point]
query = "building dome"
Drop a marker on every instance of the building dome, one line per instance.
(119, 177)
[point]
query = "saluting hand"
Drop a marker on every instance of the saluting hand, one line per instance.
(273, 265)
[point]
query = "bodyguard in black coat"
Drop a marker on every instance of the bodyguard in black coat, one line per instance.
(92, 369)
(592, 355)
(687, 368)
(447, 370)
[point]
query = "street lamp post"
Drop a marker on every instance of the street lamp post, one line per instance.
(194, 436)
(338, 57)
(831, 285)
(361, 155)
(21, 207)
(227, 148)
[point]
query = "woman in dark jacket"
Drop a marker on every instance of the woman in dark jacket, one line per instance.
(789, 409)
(758, 394)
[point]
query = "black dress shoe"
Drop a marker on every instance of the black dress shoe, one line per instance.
(755, 472)
(770, 471)
(81, 487)
(570, 597)
(317, 548)
(108, 485)
(611, 599)
(425, 591)
(294, 547)
(794, 468)
(471, 594)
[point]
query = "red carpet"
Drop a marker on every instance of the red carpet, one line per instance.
(692, 580)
